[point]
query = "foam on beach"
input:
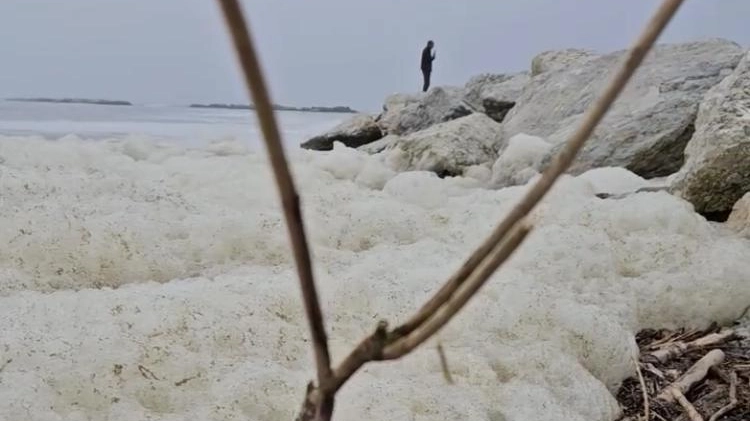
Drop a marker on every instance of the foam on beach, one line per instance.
(145, 281)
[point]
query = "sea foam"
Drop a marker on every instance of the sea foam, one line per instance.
(147, 281)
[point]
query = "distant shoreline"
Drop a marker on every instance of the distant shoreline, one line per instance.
(339, 109)
(73, 101)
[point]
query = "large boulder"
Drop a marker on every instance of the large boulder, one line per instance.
(739, 220)
(404, 114)
(359, 130)
(649, 125)
(495, 94)
(448, 148)
(717, 167)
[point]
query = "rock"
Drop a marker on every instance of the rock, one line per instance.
(518, 162)
(448, 148)
(354, 132)
(649, 125)
(477, 84)
(739, 219)
(559, 60)
(717, 167)
(404, 114)
(379, 145)
(495, 94)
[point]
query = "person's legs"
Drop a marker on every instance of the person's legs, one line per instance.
(426, 76)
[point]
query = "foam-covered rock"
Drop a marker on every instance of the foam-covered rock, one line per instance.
(739, 219)
(356, 131)
(717, 167)
(403, 114)
(647, 128)
(448, 148)
(519, 160)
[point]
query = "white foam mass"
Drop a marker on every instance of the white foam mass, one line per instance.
(614, 180)
(519, 161)
(140, 281)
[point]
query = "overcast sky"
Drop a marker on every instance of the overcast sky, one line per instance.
(315, 52)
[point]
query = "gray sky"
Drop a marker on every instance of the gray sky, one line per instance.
(321, 52)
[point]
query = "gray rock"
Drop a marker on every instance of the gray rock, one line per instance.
(651, 122)
(354, 132)
(739, 220)
(379, 145)
(474, 88)
(495, 94)
(404, 114)
(448, 148)
(559, 60)
(717, 168)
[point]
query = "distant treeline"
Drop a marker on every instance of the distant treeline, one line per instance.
(339, 109)
(72, 101)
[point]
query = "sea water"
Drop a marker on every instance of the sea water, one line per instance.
(145, 273)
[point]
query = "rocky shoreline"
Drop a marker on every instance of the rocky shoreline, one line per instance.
(683, 118)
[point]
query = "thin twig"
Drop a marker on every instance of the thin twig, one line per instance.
(290, 200)
(653, 370)
(646, 405)
(146, 373)
(744, 312)
(692, 413)
(558, 166)
(732, 398)
(444, 364)
(656, 414)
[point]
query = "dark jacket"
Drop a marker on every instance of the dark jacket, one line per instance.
(427, 59)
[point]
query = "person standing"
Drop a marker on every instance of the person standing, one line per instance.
(427, 57)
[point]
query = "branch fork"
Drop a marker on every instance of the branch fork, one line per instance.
(384, 344)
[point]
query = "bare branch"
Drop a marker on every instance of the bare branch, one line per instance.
(370, 349)
(675, 349)
(733, 402)
(690, 410)
(474, 273)
(697, 372)
(558, 166)
(290, 200)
